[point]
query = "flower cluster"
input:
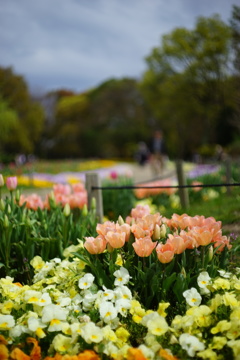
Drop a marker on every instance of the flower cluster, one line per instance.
(64, 313)
(75, 195)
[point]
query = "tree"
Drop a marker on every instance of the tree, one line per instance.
(29, 115)
(185, 84)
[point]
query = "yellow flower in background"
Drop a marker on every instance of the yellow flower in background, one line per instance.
(161, 309)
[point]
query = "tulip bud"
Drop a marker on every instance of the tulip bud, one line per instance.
(156, 232)
(1, 180)
(120, 220)
(163, 231)
(210, 253)
(183, 272)
(2, 205)
(52, 200)
(84, 210)
(66, 210)
(9, 210)
(11, 183)
(17, 196)
(93, 204)
(5, 222)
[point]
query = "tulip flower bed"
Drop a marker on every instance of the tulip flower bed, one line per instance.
(143, 287)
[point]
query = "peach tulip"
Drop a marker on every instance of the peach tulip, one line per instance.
(179, 221)
(165, 252)
(95, 245)
(77, 200)
(222, 242)
(140, 211)
(125, 228)
(144, 246)
(11, 183)
(202, 235)
(102, 229)
(116, 239)
(177, 242)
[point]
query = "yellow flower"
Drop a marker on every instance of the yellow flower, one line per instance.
(201, 315)
(215, 302)
(235, 345)
(221, 326)
(207, 354)
(161, 309)
(62, 343)
(122, 334)
(220, 283)
(37, 263)
(234, 331)
(229, 299)
(119, 260)
(218, 342)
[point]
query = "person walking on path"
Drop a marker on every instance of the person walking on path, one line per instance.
(158, 152)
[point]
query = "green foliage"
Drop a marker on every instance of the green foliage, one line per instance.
(117, 202)
(26, 233)
(23, 116)
(185, 84)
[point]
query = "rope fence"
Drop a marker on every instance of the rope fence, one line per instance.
(95, 189)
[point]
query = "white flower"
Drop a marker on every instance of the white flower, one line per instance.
(122, 276)
(6, 322)
(123, 292)
(64, 344)
(37, 298)
(122, 305)
(224, 274)
(192, 296)
(107, 311)
(147, 352)
(156, 324)
(36, 325)
(204, 280)
(92, 333)
(86, 281)
(107, 294)
(191, 344)
(53, 311)
(18, 330)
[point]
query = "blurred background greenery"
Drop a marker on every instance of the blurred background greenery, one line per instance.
(190, 90)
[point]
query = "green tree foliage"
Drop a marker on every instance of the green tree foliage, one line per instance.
(235, 27)
(28, 116)
(8, 123)
(187, 87)
(107, 121)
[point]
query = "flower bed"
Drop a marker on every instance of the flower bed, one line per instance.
(143, 287)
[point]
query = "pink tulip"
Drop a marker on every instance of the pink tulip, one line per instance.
(11, 183)
(95, 245)
(32, 201)
(77, 200)
(165, 252)
(79, 187)
(144, 247)
(63, 189)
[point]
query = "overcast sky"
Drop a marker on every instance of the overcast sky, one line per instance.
(78, 44)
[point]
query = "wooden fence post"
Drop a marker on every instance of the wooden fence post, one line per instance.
(93, 180)
(183, 192)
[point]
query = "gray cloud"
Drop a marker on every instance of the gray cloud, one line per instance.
(77, 44)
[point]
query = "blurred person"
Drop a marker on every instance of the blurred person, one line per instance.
(158, 152)
(142, 154)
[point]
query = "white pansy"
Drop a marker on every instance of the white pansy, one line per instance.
(88, 300)
(203, 279)
(111, 350)
(192, 296)
(122, 306)
(6, 322)
(157, 325)
(53, 311)
(86, 281)
(225, 274)
(122, 276)
(123, 292)
(18, 330)
(92, 333)
(107, 311)
(107, 294)
(191, 344)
